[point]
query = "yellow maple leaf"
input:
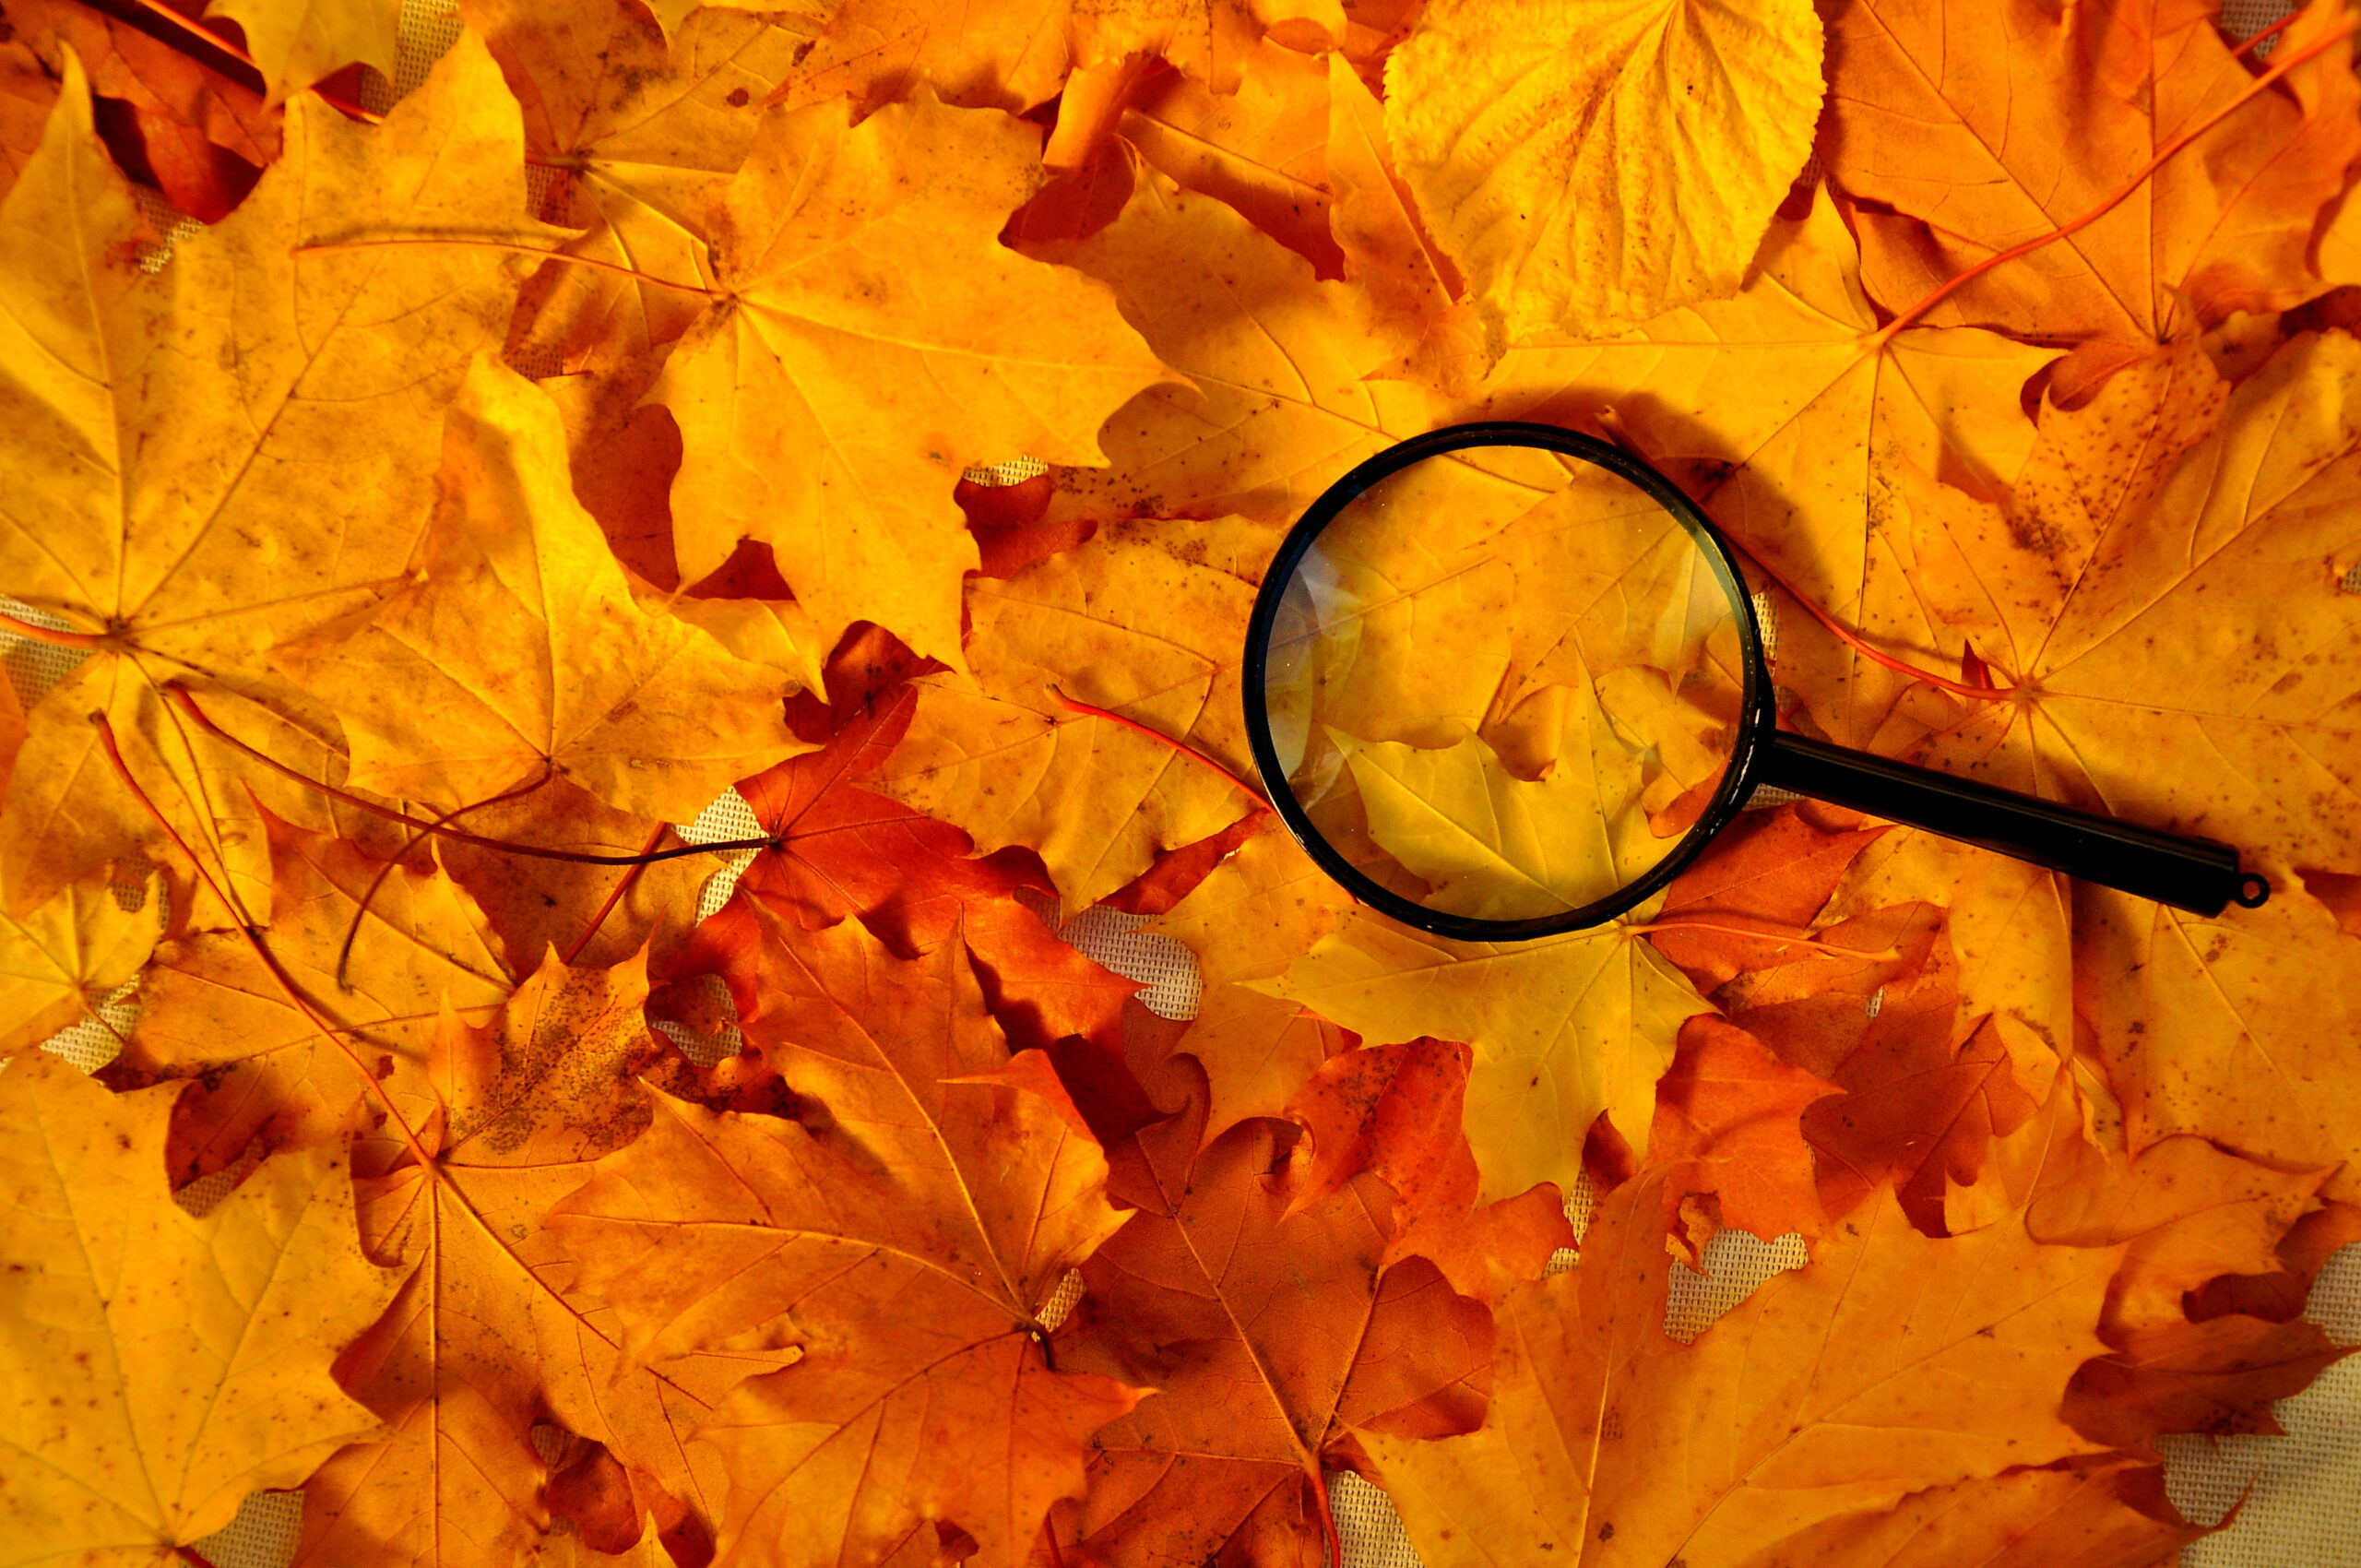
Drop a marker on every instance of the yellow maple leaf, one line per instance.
(208, 461)
(1592, 165)
(1889, 1365)
(829, 400)
(160, 1365)
(521, 652)
(1563, 1028)
(1132, 624)
(1275, 405)
(2190, 607)
(489, 1335)
(298, 42)
(60, 961)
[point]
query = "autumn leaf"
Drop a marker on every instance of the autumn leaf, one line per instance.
(843, 850)
(1729, 1122)
(2059, 592)
(647, 134)
(1545, 143)
(151, 474)
(911, 1222)
(1275, 405)
(1958, 148)
(1224, 1293)
(192, 1351)
(1564, 1028)
(1262, 148)
(1146, 623)
(828, 342)
(2101, 1512)
(1395, 1111)
(521, 654)
(58, 963)
(1014, 54)
(296, 45)
(489, 1334)
(1889, 1365)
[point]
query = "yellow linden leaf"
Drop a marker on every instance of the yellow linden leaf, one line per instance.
(230, 452)
(1127, 623)
(61, 961)
(156, 1366)
(298, 42)
(1563, 1028)
(522, 653)
(830, 400)
(1591, 165)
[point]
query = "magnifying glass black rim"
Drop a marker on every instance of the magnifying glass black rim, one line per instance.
(1756, 720)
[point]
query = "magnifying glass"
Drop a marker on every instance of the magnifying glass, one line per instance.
(1505, 679)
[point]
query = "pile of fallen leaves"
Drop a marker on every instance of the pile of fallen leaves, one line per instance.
(487, 485)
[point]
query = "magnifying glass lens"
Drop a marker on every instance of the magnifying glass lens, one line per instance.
(1504, 681)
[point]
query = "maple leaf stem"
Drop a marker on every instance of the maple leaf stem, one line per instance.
(187, 703)
(1332, 1547)
(361, 914)
(334, 1034)
(52, 635)
(1797, 938)
(2279, 67)
(192, 1557)
(1861, 646)
(2256, 40)
(622, 887)
(590, 261)
(1159, 736)
(262, 952)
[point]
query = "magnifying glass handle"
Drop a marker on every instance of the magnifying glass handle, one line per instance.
(2197, 874)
